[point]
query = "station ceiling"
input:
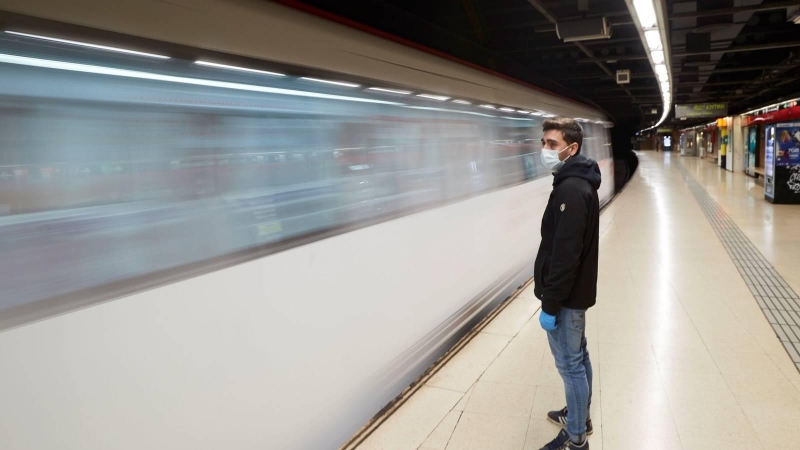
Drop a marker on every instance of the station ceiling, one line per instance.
(740, 52)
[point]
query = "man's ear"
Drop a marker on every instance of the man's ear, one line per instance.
(574, 151)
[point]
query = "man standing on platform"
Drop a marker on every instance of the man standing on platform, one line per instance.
(566, 273)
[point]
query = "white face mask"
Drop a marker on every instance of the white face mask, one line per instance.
(550, 158)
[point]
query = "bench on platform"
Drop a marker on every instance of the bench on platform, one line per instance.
(760, 175)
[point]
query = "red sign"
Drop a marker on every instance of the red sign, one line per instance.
(783, 115)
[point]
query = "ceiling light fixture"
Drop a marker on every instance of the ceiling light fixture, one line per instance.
(440, 98)
(337, 83)
(650, 21)
(390, 91)
(86, 44)
(241, 69)
(141, 75)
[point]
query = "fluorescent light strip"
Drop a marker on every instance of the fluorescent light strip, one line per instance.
(428, 108)
(537, 113)
(488, 106)
(522, 111)
(653, 38)
(646, 13)
(241, 69)
(517, 118)
(658, 56)
(337, 83)
(462, 102)
(507, 109)
(86, 44)
(99, 70)
(440, 98)
(391, 91)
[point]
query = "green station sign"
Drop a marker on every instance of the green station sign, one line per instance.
(700, 110)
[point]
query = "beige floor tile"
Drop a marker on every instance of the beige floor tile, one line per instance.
(464, 399)
(533, 330)
(527, 346)
(629, 333)
(640, 355)
(680, 337)
(623, 411)
(484, 431)
(632, 418)
(775, 429)
(511, 320)
(408, 428)
(617, 379)
(766, 392)
(788, 368)
(639, 441)
(548, 398)
(687, 387)
(731, 341)
(520, 363)
(468, 365)
(685, 359)
(548, 375)
(502, 399)
(702, 442)
(440, 436)
(717, 421)
(746, 364)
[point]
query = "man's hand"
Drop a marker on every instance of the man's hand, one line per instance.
(547, 321)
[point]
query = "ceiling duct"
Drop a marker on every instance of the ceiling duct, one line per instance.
(589, 29)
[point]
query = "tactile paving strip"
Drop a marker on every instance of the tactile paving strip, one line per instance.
(777, 300)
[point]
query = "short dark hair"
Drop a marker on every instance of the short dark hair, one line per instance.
(571, 130)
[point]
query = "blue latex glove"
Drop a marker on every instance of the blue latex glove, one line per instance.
(547, 321)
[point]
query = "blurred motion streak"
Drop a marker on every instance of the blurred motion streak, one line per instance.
(109, 172)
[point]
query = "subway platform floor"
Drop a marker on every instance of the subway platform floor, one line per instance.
(695, 338)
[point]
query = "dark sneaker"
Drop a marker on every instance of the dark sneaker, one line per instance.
(560, 418)
(562, 442)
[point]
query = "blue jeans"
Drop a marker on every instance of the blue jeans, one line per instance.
(568, 344)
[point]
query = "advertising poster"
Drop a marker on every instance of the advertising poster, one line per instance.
(769, 161)
(752, 145)
(787, 163)
(788, 151)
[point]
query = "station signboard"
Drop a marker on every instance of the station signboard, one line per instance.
(700, 110)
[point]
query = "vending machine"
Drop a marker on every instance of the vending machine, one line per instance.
(782, 151)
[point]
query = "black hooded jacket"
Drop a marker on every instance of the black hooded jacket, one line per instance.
(565, 273)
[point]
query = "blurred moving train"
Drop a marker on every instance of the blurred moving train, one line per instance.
(258, 250)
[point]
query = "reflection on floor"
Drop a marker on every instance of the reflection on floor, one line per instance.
(684, 356)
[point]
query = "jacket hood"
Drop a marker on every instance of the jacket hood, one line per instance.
(581, 167)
